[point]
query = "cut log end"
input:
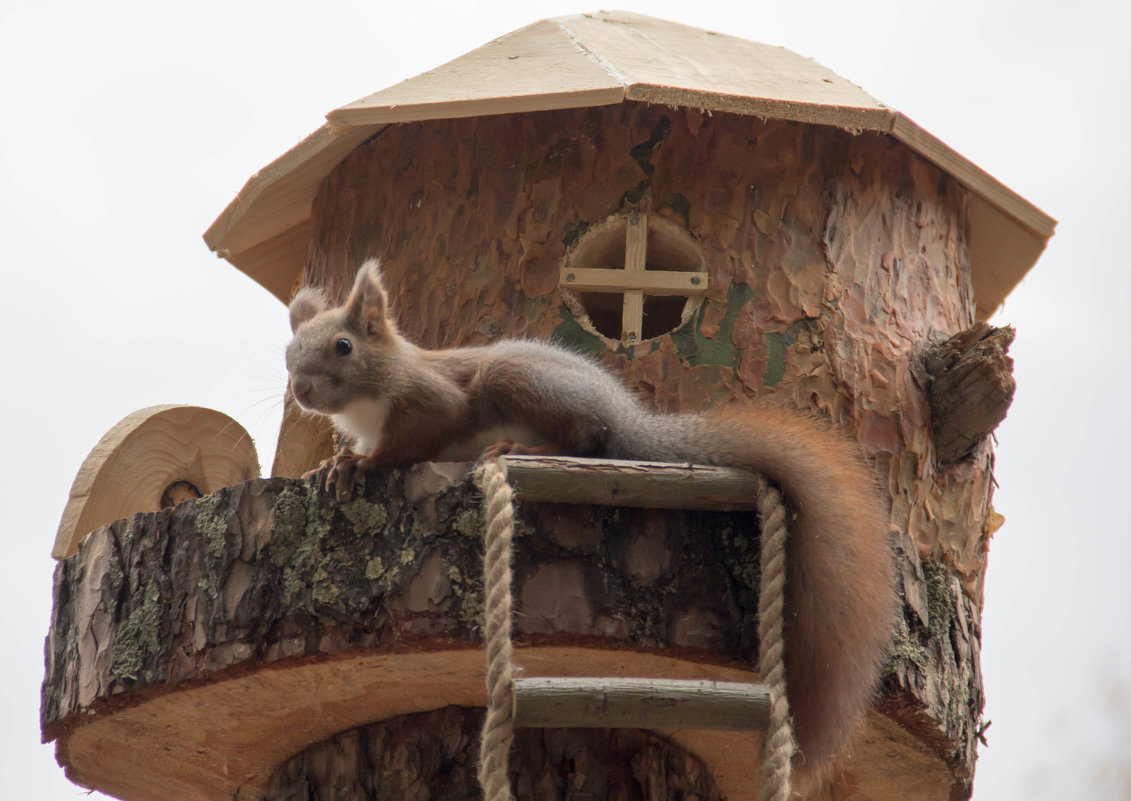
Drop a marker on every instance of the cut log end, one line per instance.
(153, 459)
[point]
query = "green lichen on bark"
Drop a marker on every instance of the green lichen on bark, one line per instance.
(746, 560)
(138, 638)
(112, 585)
(940, 598)
(468, 592)
(290, 523)
(375, 569)
(962, 686)
(326, 561)
(468, 523)
(299, 523)
(339, 560)
(907, 648)
(212, 525)
(934, 655)
(365, 515)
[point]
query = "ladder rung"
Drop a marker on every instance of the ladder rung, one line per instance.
(616, 482)
(565, 703)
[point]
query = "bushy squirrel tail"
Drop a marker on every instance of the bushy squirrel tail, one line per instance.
(840, 599)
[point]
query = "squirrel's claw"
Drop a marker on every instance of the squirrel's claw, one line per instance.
(338, 475)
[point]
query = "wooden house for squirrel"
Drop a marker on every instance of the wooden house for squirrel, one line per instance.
(712, 219)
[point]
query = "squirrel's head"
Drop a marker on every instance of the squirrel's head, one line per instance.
(341, 353)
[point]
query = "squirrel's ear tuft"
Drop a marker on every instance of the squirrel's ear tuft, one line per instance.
(307, 302)
(368, 302)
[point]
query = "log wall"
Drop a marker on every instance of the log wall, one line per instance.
(198, 652)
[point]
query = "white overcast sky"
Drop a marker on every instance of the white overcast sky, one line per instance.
(126, 127)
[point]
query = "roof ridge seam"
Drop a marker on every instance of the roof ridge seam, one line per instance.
(575, 39)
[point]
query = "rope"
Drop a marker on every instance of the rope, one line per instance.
(778, 746)
(498, 727)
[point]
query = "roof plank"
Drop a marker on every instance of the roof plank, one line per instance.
(536, 68)
(663, 55)
(601, 59)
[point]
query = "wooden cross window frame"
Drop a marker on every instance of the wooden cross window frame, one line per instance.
(634, 280)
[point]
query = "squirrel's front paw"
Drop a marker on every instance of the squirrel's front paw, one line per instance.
(338, 475)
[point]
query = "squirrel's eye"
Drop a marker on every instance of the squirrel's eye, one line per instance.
(344, 347)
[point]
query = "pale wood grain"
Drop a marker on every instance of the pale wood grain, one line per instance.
(134, 463)
(635, 255)
(652, 282)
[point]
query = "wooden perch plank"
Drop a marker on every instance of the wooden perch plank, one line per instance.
(614, 482)
(626, 703)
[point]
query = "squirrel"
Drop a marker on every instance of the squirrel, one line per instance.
(403, 404)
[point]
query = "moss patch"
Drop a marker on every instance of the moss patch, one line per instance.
(212, 525)
(365, 515)
(469, 523)
(138, 639)
(939, 598)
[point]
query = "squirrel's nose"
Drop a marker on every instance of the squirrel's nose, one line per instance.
(301, 388)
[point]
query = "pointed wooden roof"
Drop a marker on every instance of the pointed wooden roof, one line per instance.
(602, 59)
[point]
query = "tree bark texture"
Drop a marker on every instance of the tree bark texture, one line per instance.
(275, 569)
(433, 755)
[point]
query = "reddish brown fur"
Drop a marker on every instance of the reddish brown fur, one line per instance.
(840, 602)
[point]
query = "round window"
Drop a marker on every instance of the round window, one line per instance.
(635, 276)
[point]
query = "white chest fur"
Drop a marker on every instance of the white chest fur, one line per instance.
(364, 421)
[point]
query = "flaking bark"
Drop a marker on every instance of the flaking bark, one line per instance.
(970, 385)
